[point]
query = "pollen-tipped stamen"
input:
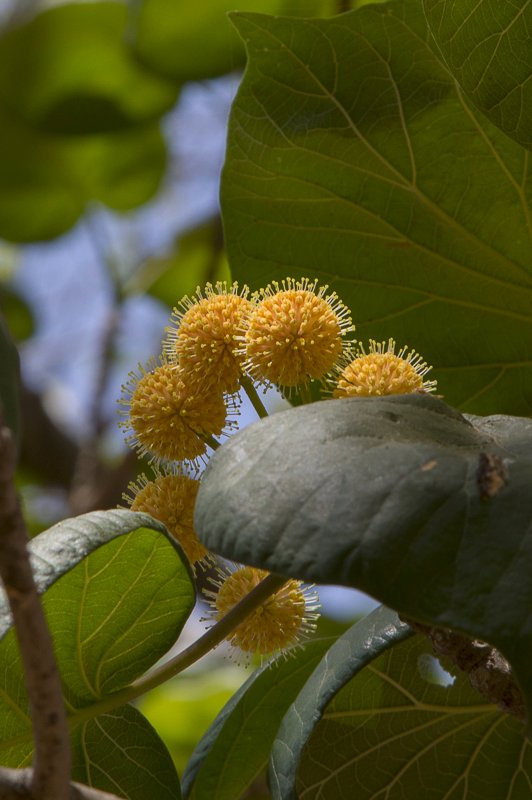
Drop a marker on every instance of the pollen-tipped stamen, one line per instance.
(203, 334)
(284, 619)
(381, 371)
(295, 334)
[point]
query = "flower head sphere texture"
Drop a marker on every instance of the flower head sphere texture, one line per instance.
(169, 416)
(382, 371)
(284, 619)
(295, 334)
(170, 499)
(203, 335)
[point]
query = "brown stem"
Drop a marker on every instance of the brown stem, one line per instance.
(51, 765)
(85, 486)
(488, 671)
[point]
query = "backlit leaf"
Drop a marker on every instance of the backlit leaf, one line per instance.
(393, 730)
(353, 157)
(486, 45)
(117, 594)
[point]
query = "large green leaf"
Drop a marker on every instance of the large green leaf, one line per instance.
(117, 594)
(236, 748)
(68, 70)
(123, 754)
(393, 731)
(357, 647)
(353, 157)
(397, 496)
(186, 40)
(486, 45)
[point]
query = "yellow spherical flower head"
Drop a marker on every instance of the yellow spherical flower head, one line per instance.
(284, 619)
(202, 338)
(171, 499)
(169, 417)
(295, 333)
(382, 371)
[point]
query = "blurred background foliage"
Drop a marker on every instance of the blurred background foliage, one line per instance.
(113, 120)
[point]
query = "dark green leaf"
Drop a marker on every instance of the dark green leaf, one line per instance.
(68, 70)
(352, 157)
(398, 496)
(356, 648)
(9, 379)
(123, 754)
(118, 592)
(395, 732)
(187, 42)
(236, 748)
(486, 45)
(16, 312)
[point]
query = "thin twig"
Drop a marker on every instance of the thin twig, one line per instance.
(256, 402)
(85, 486)
(488, 671)
(213, 637)
(52, 759)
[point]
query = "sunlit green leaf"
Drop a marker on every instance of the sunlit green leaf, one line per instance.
(46, 181)
(400, 497)
(122, 170)
(235, 750)
(118, 592)
(69, 70)
(353, 157)
(395, 731)
(186, 40)
(486, 45)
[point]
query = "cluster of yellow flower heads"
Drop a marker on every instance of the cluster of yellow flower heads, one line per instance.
(222, 340)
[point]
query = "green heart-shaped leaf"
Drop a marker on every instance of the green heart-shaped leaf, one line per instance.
(486, 45)
(117, 592)
(123, 754)
(393, 730)
(353, 157)
(359, 646)
(401, 497)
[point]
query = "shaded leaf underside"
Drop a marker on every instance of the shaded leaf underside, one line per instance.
(392, 496)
